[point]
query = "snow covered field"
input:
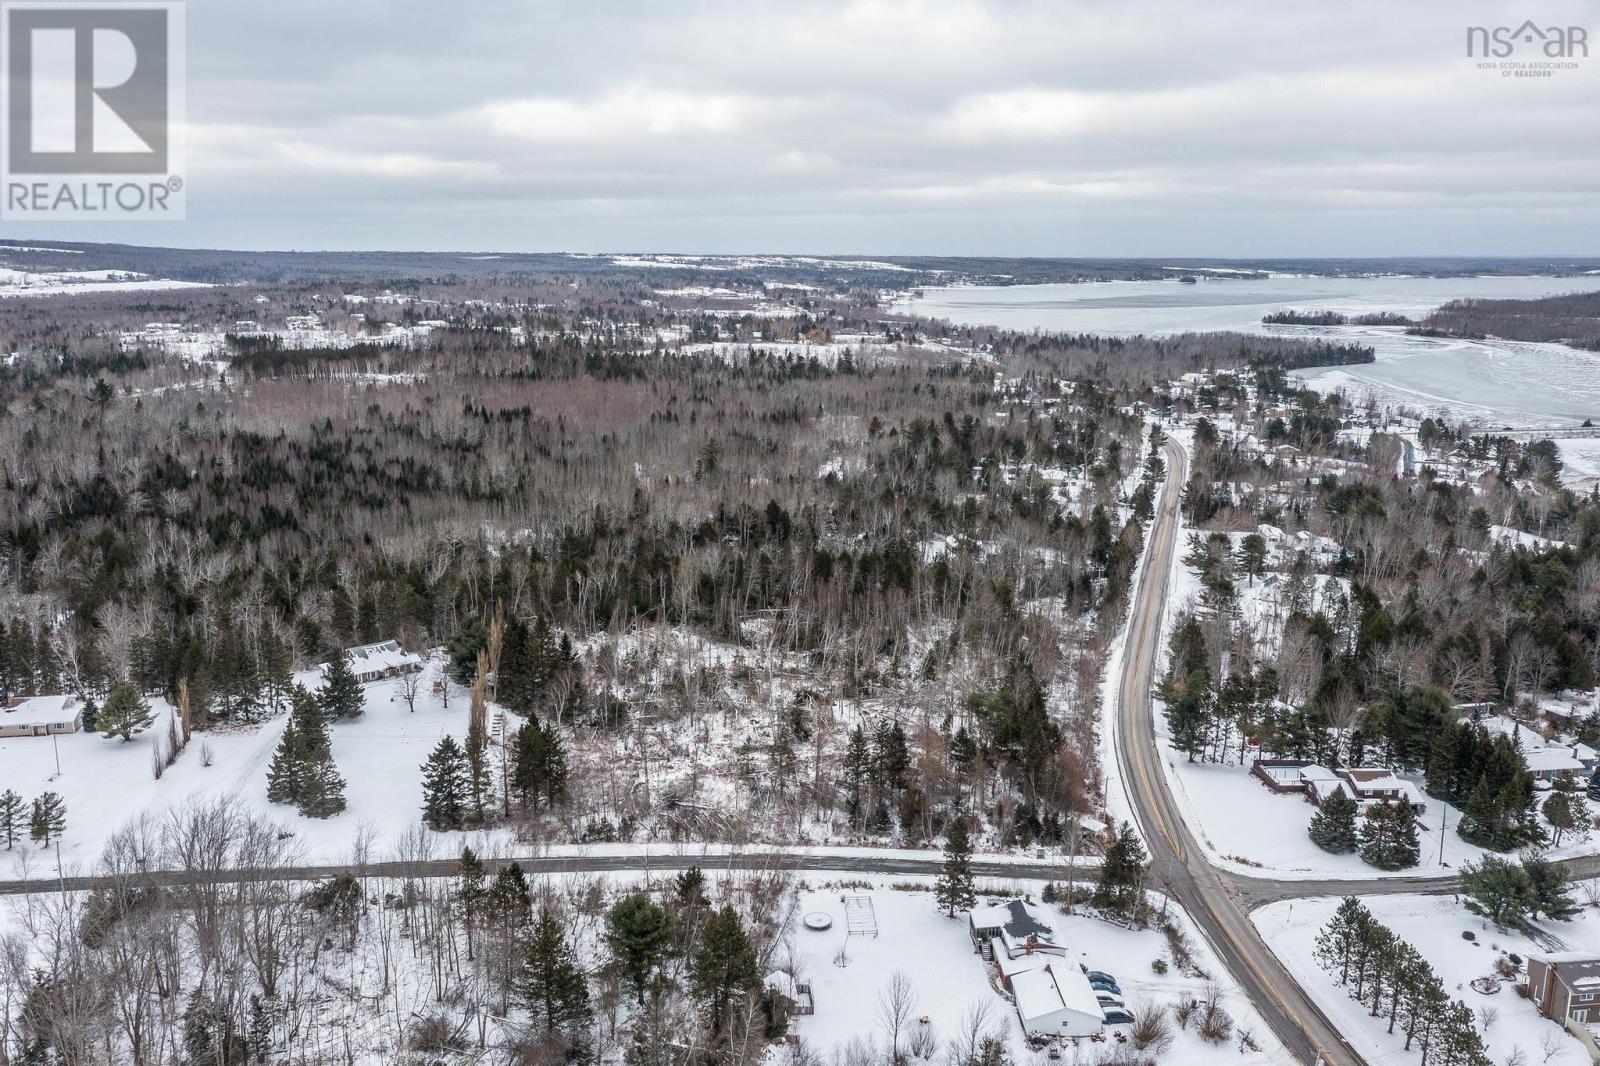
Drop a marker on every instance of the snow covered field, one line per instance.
(948, 978)
(1433, 925)
(77, 282)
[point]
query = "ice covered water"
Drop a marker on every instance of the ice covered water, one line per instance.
(1490, 383)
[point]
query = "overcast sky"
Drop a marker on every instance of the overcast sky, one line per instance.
(1090, 128)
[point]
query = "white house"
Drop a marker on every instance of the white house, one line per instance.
(1056, 1000)
(1052, 993)
(372, 662)
(39, 716)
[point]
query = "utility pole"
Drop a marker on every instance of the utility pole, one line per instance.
(1444, 816)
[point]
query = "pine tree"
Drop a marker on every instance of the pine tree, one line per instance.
(471, 891)
(48, 819)
(551, 983)
(1567, 812)
(477, 745)
(341, 696)
(444, 786)
(286, 774)
(1120, 888)
(857, 763)
(310, 720)
(1333, 827)
(1388, 836)
(124, 713)
(10, 817)
(527, 775)
(470, 882)
(1549, 884)
(724, 969)
(639, 933)
(1498, 889)
(555, 768)
(322, 791)
(954, 888)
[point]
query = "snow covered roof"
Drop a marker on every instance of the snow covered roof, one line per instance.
(384, 655)
(1054, 987)
(1017, 920)
(1541, 754)
(43, 710)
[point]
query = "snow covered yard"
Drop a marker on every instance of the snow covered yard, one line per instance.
(948, 979)
(1273, 839)
(106, 783)
(1433, 925)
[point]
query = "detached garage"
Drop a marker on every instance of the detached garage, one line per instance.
(1056, 1003)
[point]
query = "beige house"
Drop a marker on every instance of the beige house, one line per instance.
(39, 716)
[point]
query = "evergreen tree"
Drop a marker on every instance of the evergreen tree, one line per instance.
(1333, 827)
(1549, 884)
(1498, 889)
(724, 969)
(857, 765)
(551, 983)
(322, 791)
(10, 817)
(48, 819)
(1567, 812)
(891, 757)
(954, 888)
(341, 696)
(690, 888)
(540, 768)
(124, 713)
(286, 773)
(639, 932)
(302, 770)
(463, 650)
(1388, 836)
(555, 768)
(470, 882)
(1120, 888)
(310, 720)
(527, 775)
(507, 899)
(444, 786)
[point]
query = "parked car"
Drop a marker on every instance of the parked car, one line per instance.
(1099, 975)
(1108, 1000)
(1118, 1016)
(1104, 986)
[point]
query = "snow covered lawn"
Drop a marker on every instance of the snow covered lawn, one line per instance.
(1433, 925)
(1252, 831)
(106, 783)
(948, 978)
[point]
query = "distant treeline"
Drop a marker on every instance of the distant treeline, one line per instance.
(1333, 318)
(1571, 319)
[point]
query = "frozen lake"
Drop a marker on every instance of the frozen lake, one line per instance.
(1491, 383)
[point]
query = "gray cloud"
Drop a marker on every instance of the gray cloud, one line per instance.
(918, 127)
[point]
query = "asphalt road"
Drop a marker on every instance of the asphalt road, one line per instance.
(1212, 898)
